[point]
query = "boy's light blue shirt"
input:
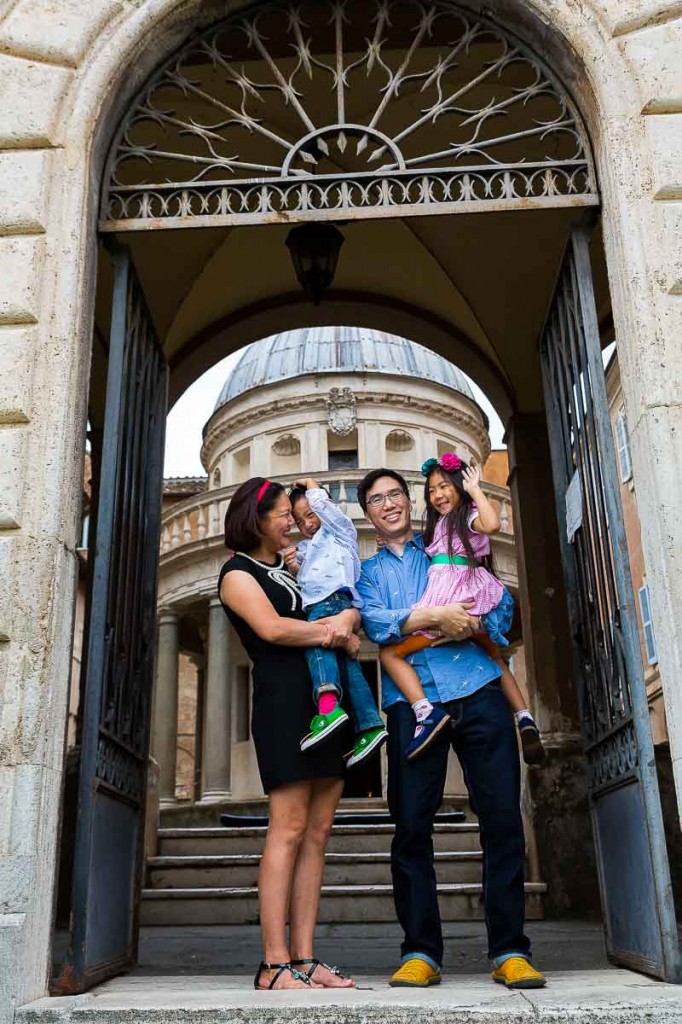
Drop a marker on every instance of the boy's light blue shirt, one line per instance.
(390, 586)
(330, 560)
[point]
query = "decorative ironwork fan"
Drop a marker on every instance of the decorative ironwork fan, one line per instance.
(315, 109)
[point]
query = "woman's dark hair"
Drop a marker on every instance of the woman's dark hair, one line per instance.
(242, 528)
(456, 521)
(372, 477)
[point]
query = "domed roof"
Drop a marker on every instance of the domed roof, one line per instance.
(333, 350)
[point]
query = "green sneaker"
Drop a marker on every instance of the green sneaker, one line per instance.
(323, 726)
(365, 744)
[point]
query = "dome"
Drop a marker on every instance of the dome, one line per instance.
(336, 350)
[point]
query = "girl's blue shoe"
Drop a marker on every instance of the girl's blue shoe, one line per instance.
(427, 730)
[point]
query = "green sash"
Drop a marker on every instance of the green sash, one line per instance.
(450, 560)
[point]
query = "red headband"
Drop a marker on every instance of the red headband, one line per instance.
(261, 491)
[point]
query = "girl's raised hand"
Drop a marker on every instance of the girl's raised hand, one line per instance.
(471, 479)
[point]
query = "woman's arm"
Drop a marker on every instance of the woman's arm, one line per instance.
(487, 520)
(246, 598)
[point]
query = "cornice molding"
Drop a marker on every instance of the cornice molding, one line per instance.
(221, 429)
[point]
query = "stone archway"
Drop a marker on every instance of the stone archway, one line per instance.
(62, 80)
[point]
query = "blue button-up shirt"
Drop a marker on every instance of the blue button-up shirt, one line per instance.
(390, 586)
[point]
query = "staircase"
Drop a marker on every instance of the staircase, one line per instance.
(205, 876)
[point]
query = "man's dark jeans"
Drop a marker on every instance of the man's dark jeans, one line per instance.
(484, 738)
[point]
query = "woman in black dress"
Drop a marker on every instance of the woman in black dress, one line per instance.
(262, 601)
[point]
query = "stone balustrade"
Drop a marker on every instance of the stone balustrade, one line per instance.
(201, 517)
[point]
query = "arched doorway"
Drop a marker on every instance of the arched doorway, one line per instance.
(267, 78)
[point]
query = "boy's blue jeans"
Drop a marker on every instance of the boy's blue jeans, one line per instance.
(326, 665)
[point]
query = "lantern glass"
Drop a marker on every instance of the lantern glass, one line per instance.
(315, 252)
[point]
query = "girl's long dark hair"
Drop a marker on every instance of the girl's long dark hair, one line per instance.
(456, 521)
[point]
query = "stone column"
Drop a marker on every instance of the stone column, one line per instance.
(555, 798)
(315, 447)
(217, 746)
(165, 722)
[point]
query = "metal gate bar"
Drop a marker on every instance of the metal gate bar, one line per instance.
(622, 784)
(118, 689)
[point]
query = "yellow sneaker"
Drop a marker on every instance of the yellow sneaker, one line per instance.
(517, 972)
(415, 973)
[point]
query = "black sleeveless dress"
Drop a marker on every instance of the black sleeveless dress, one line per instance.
(282, 690)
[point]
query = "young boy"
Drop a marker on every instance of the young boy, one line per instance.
(327, 565)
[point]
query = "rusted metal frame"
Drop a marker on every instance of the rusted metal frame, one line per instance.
(604, 564)
(629, 630)
(371, 213)
(578, 592)
(594, 495)
(589, 537)
(292, 180)
(621, 770)
(124, 538)
(141, 612)
(582, 545)
(562, 469)
(121, 638)
(592, 564)
(592, 449)
(175, 73)
(141, 381)
(97, 636)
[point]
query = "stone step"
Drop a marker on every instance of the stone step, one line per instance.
(198, 815)
(340, 869)
(340, 903)
(175, 842)
(588, 996)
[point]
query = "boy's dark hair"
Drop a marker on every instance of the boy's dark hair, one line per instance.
(295, 494)
(367, 482)
(242, 532)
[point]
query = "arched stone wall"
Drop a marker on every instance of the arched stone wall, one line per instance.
(66, 71)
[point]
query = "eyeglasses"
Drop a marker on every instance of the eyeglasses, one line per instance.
(396, 497)
(282, 515)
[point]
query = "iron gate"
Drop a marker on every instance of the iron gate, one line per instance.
(625, 807)
(120, 655)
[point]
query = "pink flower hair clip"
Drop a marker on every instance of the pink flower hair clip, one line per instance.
(448, 461)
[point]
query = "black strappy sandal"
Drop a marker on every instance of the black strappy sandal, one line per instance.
(315, 964)
(280, 968)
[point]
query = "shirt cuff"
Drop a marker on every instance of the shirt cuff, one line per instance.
(316, 495)
(389, 630)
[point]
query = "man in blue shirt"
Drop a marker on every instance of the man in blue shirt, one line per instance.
(465, 682)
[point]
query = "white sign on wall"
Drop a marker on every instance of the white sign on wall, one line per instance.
(574, 506)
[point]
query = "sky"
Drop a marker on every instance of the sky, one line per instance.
(192, 410)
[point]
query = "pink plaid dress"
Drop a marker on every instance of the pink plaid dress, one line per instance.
(450, 583)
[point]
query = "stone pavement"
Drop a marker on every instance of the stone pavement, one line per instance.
(364, 949)
(204, 976)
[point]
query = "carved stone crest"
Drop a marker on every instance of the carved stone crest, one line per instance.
(341, 411)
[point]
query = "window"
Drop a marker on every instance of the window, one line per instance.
(623, 446)
(647, 625)
(216, 477)
(343, 459)
(242, 706)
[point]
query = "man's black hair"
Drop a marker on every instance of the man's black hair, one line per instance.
(368, 481)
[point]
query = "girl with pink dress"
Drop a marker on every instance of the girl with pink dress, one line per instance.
(459, 522)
